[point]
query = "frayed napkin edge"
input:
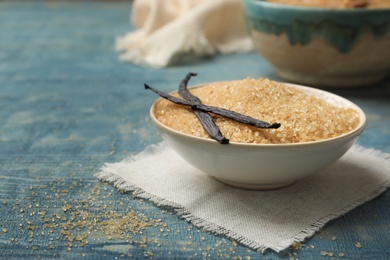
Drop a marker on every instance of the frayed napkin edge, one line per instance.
(320, 223)
(106, 175)
(122, 184)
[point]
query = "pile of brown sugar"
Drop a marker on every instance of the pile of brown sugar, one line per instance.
(303, 118)
(336, 3)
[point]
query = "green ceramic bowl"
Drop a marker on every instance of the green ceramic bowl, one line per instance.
(322, 47)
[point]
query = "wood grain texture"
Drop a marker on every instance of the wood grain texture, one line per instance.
(67, 106)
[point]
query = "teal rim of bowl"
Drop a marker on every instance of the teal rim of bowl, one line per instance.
(341, 28)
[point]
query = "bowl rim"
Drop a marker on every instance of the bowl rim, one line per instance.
(359, 128)
(316, 9)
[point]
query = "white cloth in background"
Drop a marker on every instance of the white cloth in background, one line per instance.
(259, 219)
(166, 30)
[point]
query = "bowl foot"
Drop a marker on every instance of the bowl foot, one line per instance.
(248, 186)
(330, 80)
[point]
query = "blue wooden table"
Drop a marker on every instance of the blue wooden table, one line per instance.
(67, 106)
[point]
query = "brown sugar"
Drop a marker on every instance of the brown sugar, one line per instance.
(303, 118)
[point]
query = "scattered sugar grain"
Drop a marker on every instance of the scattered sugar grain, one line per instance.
(297, 245)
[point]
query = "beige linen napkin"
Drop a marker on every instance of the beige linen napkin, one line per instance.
(167, 29)
(259, 219)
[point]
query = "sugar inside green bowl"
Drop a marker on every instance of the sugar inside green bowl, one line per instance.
(322, 46)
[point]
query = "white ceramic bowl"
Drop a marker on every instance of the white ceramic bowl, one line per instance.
(263, 166)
